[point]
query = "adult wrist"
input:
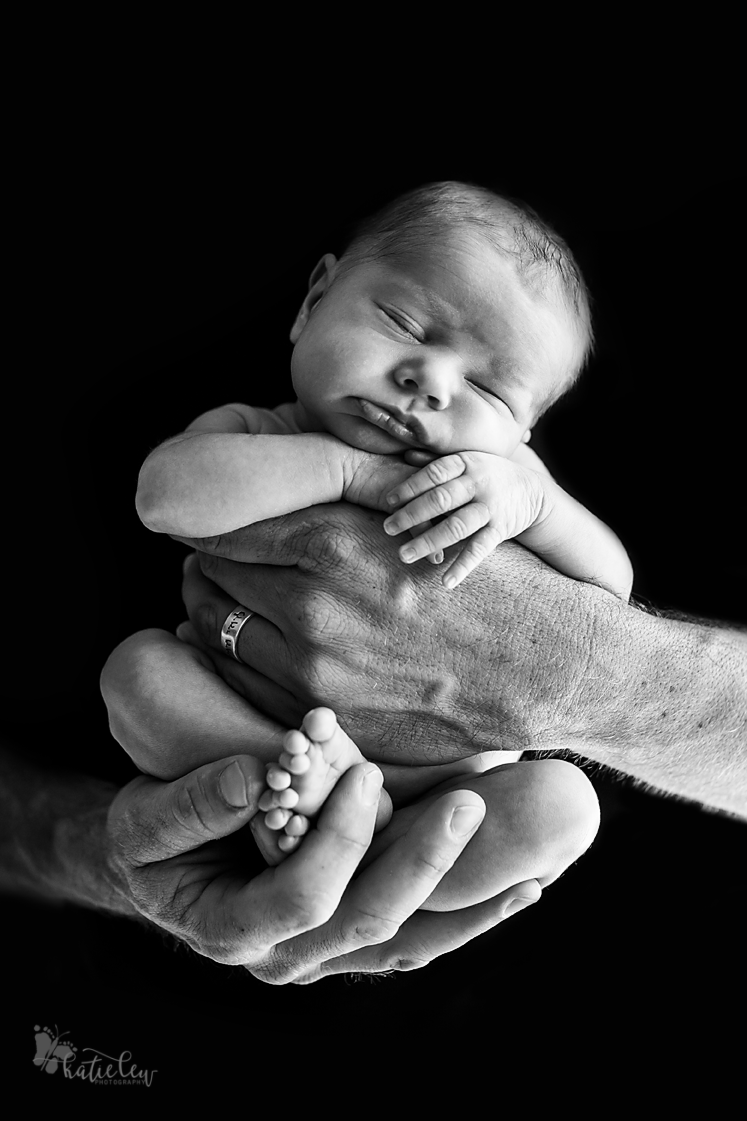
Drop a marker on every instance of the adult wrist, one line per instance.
(53, 837)
(86, 870)
(664, 700)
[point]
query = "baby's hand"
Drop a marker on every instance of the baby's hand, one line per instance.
(496, 499)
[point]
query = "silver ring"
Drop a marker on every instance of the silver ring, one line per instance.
(229, 632)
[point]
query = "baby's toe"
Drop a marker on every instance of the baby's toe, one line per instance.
(294, 764)
(288, 844)
(277, 778)
(297, 826)
(277, 818)
(274, 799)
(320, 724)
(295, 742)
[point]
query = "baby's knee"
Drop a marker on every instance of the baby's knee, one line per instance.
(552, 811)
(137, 687)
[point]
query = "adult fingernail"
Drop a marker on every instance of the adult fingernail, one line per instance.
(372, 781)
(233, 787)
(518, 904)
(466, 818)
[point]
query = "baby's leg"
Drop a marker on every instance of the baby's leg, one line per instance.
(186, 713)
(541, 816)
(312, 762)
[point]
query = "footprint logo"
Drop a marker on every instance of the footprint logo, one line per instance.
(49, 1051)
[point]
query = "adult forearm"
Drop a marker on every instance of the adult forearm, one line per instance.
(665, 701)
(53, 836)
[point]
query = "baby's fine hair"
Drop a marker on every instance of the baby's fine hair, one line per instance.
(544, 262)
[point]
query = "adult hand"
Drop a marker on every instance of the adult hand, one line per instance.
(179, 850)
(416, 674)
(518, 657)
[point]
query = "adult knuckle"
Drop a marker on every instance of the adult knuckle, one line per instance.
(205, 618)
(429, 865)
(296, 911)
(318, 616)
(190, 810)
(210, 548)
(407, 963)
(327, 545)
(368, 928)
(272, 972)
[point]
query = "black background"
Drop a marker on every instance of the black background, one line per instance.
(162, 265)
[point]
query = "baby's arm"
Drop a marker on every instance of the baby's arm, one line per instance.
(496, 499)
(224, 472)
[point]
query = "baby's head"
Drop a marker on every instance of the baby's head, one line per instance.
(452, 321)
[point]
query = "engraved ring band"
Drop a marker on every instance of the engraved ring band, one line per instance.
(229, 632)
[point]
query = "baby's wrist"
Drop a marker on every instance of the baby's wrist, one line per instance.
(356, 471)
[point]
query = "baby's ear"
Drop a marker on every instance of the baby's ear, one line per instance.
(319, 281)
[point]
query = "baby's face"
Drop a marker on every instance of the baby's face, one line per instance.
(445, 350)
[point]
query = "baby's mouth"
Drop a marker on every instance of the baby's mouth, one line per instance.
(380, 416)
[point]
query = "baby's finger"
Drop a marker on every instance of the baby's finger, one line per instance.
(416, 457)
(473, 553)
(466, 521)
(433, 504)
(434, 558)
(436, 473)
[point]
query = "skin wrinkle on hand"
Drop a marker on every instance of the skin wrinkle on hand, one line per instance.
(583, 693)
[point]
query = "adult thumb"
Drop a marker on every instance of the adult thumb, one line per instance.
(156, 820)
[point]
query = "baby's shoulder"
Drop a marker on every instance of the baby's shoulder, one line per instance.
(251, 419)
(285, 417)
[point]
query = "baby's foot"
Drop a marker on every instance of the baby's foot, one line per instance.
(314, 759)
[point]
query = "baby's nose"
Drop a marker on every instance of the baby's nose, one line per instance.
(434, 381)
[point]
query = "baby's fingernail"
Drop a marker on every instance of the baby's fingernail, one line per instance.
(233, 786)
(392, 498)
(372, 781)
(466, 818)
(450, 582)
(390, 526)
(407, 554)
(437, 558)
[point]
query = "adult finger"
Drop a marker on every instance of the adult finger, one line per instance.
(153, 820)
(308, 886)
(256, 688)
(277, 541)
(391, 889)
(202, 594)
(261, 645)
(428, 935)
